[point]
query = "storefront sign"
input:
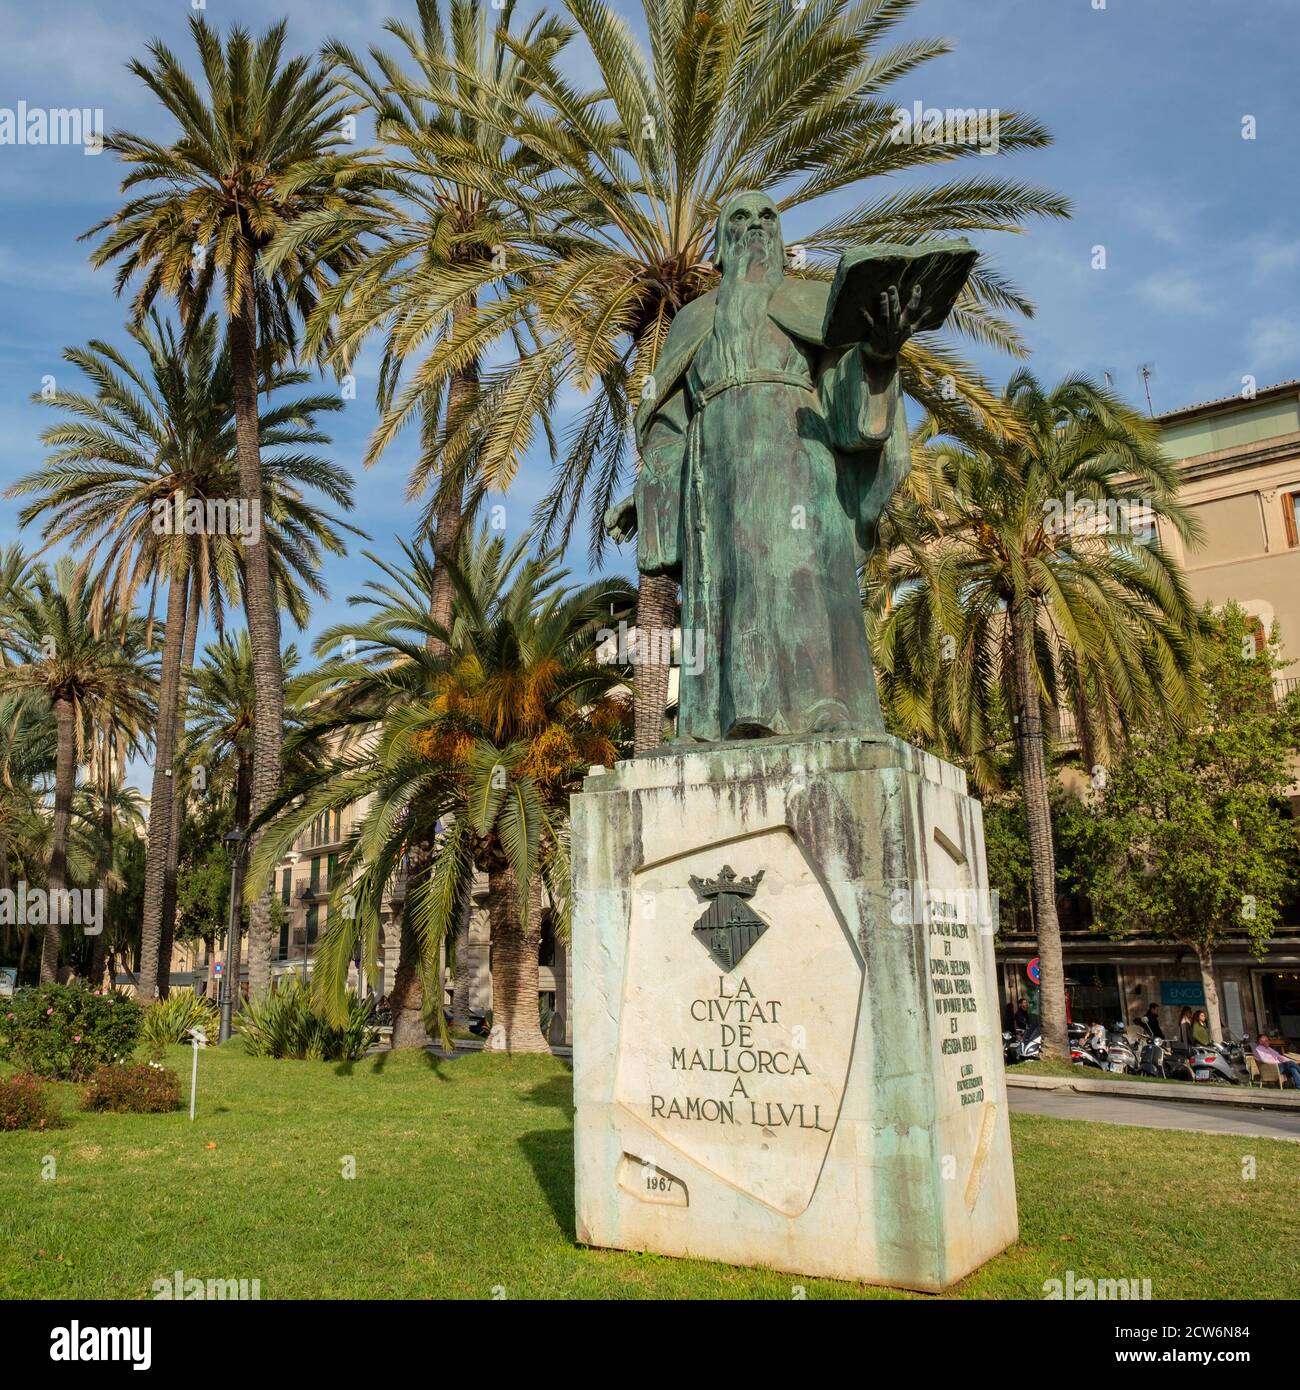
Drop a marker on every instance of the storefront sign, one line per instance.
(1179, 992)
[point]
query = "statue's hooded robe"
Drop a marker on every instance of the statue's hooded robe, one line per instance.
(766, 459)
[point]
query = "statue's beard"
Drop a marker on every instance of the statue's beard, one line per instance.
(754, 257)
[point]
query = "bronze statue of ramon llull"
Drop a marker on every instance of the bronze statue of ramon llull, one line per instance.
(771, 436)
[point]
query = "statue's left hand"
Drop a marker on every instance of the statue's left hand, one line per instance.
(892, 324)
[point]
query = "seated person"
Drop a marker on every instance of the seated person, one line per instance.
(1265, 1053)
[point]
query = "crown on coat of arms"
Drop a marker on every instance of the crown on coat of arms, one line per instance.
(727, 882)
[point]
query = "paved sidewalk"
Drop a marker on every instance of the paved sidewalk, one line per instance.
(1065, 1103)
(1180, 1092)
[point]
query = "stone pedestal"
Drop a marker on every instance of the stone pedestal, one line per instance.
(787, 1048)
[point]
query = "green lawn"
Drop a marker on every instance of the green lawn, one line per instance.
(464, 1189)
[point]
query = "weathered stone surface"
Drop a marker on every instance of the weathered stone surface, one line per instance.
(834, 1104)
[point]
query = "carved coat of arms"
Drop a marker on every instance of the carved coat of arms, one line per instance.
(729, 926)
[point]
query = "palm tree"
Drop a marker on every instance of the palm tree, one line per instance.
(256, 150)
(77, 670)
(108, 809)
(1019, 577)
(477, 750)
(220, 728)
(132, 471)
(439, 230)
(619, 190)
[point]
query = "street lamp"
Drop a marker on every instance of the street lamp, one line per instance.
(224, 993)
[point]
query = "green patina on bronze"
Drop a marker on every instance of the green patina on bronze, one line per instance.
(767, 457)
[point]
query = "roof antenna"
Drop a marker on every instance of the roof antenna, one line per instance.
(1146, 371)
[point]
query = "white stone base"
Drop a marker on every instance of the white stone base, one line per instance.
(833, 1103)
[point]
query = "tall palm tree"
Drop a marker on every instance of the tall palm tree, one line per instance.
(1022, 576)
(437, 231)
(478, 750)
(131, 471)
(79, 670)
(258, 147)
(621, 193)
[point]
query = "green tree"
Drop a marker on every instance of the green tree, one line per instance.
(1190, 840)
(78, 667)
(476, 751)
(1020, 574)
(258, 147)
(128, 482)
(615, 196)
(435, 232)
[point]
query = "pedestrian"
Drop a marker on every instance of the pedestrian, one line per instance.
(1201, 1029)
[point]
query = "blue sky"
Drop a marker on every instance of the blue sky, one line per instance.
(1145, 98)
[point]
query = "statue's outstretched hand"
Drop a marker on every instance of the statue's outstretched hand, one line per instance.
(620, 520)
(892, 324)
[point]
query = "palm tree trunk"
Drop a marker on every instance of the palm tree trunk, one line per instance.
(168, 935)
(65, 776)
(243, 798)
(407, 997)
(656, 615)
(106, 864)
(516, 1026)
(260, 605)
(449, 507)
(164, 788)
(1038, 814)
(460, 969)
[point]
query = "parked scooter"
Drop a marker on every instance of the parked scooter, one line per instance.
(1151, 1051)
(1216, 1063)
(1121, 1052)
(1028, 1047)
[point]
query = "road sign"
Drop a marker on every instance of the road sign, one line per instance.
(1032, 970)
(218, 968)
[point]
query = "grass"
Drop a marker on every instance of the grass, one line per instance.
(464, 1186)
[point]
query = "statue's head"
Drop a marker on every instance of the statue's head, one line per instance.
(748, 235)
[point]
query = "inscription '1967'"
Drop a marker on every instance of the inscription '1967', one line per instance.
(739, 1054)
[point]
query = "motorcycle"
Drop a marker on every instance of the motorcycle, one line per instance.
(1028, 1047)
(1121, 1053)
(1151, 1051)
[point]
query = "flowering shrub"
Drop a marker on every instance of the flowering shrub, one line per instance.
(67, 1031)
(25, 1104)
(135, 1088)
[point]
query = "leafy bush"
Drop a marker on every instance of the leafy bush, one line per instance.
(287, 1022)
(67, 1031)
(170, 1019)
(25, 1103)
(134, 1088)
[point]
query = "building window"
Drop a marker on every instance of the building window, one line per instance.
(1291, 517)
(286, 886)
(313, 921)
(315, 873)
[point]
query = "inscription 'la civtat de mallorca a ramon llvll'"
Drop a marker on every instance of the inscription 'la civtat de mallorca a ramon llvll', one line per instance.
(787, 1049)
